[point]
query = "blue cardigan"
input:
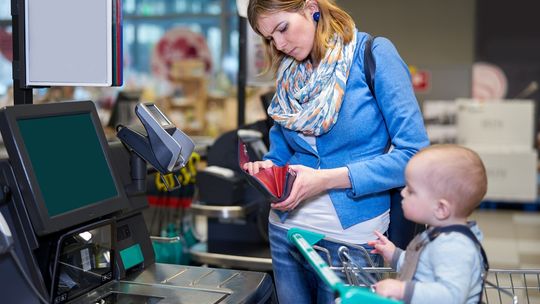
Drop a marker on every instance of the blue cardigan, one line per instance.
(359, 139)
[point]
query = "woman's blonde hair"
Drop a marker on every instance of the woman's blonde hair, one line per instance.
(333, 20)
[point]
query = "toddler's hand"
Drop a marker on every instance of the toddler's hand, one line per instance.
(390, 288)
(383, 246)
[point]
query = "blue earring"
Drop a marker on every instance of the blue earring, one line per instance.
(316, 16)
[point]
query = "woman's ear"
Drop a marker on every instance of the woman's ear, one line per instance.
(312, 6)
(443, 210)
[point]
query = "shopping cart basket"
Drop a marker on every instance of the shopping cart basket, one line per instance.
(347, 293)
(502, 286)
(512, 286)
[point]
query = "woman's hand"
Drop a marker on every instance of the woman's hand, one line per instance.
(308, 183)
(383, 246)
(254, 167)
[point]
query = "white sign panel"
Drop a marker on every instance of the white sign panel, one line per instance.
(68, 42)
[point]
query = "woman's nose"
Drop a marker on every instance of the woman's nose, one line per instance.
(279, 43)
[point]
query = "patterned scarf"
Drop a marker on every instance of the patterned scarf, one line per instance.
(308, 100)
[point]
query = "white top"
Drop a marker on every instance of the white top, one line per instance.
(318, 214)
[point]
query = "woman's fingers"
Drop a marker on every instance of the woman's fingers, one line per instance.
(267, 164)
(290, 203)
(285, 205)
(298, 192)
(251, 168)
(254, 167)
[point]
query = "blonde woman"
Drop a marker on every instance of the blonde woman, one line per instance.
(333, 132)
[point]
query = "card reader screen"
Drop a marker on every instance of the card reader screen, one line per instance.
(158, 116)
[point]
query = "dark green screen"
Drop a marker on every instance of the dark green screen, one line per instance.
(68, 161)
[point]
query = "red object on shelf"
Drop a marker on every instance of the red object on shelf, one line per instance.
(6, 44)
(177, 45)
(421, 81)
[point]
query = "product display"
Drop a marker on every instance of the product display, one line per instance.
(275, 183)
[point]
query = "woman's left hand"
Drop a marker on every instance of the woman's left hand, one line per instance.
(308, 183)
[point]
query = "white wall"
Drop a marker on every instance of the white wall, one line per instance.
(425, 31)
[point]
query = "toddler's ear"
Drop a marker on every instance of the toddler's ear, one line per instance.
(443, 209)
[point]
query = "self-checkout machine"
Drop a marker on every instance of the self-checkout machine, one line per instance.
(71, 228)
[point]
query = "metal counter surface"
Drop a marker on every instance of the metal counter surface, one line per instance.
(168, 283)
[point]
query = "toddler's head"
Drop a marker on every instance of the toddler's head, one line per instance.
(445, 183)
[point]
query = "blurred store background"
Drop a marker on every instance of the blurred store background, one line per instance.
(475, 66)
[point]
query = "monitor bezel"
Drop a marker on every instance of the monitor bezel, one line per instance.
(28, 184)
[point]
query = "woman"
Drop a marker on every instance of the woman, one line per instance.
(332, 132)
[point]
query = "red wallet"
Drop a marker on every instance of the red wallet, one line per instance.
(275, 183)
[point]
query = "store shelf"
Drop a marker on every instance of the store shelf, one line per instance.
(187, 106)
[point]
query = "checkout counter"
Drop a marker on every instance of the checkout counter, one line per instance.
(71, 224)
(228, 245)
(236, 213)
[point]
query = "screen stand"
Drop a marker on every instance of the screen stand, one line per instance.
(138, 175)
(21, 94)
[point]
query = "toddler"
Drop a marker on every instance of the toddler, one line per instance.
(445, 263)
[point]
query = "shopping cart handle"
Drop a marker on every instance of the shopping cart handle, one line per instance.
(304, 241)
(309, 236)
(355, 295)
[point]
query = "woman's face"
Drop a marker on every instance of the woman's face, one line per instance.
(290, 33)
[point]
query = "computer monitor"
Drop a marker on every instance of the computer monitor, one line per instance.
(60, 157)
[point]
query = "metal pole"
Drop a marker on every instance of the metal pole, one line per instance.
(242, 70)
(21, 94)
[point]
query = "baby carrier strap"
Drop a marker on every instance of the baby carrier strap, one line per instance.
(465, 230)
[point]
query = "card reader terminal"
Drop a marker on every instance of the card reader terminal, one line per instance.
(164, 146)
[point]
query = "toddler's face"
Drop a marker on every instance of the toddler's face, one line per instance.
(418, 202)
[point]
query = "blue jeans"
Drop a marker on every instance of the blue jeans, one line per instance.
(296, 281)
